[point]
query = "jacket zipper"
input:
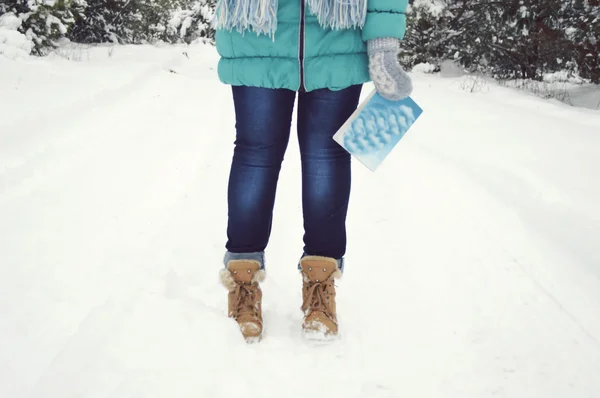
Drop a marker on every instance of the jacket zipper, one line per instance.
(301, 48)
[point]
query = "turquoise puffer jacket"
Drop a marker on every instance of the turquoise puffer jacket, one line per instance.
(304, 56)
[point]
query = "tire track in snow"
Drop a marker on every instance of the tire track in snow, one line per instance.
(79, 109)
(569, 314)
(495, 194)
(28, 151)
(451, 284)
(85, 350)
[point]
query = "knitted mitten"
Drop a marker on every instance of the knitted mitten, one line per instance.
(390, 80)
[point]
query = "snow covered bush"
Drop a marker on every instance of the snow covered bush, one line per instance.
(191, 23)
(44, 22)
(13, 44)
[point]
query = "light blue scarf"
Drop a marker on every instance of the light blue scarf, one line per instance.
(260, 16)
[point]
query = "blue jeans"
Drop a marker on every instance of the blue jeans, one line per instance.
(263, 121)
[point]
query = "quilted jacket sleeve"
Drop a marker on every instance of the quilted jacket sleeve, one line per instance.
(385, 18)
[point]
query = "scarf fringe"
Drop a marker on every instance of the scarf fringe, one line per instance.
(260, 16)
(339, 14)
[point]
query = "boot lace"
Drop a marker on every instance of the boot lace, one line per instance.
(317, 298)
(245, 298)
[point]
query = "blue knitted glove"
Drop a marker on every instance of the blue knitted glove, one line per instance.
(391, 81)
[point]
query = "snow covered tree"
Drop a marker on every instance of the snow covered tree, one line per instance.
(530, 42)
(427, 33)
(120, 21)
(582, 30)
(461, 30)
(144, 21)
(473, 33)
(104, 21)
(506, 38)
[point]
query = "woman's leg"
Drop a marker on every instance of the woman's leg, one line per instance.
(326, 173)
(263, 120)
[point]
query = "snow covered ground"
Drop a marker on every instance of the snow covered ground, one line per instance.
(473, 267)
(579, 94)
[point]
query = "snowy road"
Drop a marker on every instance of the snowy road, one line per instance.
(473, 268)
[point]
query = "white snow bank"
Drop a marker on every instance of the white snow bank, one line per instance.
(424, 68)
(449, 68)
(13, 44)
(433, 7)
(562, 76)
(10, 21)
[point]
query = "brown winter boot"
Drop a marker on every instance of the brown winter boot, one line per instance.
(318, 293)
(241, 278)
